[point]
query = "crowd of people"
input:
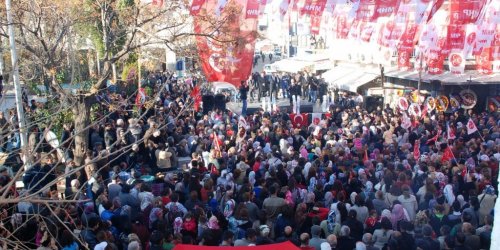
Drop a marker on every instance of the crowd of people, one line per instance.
(350, 182)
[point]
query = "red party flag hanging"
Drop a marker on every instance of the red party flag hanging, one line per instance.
(196, 7)
(416, 150)
(456, 61)
(484, 61)
(252, 10)
(369, 10)
(465, 11)
(304, 8)
(227, 62)
(435, 7)
(404, 58)
(315, 24)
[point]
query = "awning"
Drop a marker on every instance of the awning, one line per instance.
(447, 78)
(348, 78)
(285, 245)
(291, 66)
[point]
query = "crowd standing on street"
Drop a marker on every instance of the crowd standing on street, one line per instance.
(350, 182)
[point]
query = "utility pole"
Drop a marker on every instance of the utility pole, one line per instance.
(17, 87)
(420, 73)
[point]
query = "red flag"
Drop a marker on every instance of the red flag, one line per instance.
(299, 120)
(315, 24)
(140, 99)
(456, 36)
(196, 7)
(226, 62)
(450, 133)
(195, 94)
(435, 62)
(447, 154)
(304, 9)
(465, 11)
(369, 10)
(252, 10)
(416, 150)
(404, 59)
(315, 7)
(436, 137)
(484, 61)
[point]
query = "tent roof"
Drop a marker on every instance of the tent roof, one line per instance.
(285, 245)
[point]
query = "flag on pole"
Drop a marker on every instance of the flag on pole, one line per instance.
(471, 127)
(195, 94)
(315, 119)
(416, 150)
(436, 137)
(450, 133)
(140, 99)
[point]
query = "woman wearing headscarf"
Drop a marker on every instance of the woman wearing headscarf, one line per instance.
(486, 202)
(331, 225)
(213, 234)
(398, 215)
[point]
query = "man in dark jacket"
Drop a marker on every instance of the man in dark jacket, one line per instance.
(243, 96)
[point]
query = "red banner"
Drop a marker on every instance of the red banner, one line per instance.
(366, 31)
(456, 36)
(465, 11)
(304, 9)
(314, 7)
(226, 61)
(484, 61)
(315, 24)
(404, 59)
(456, 62)
(196, 7)
(484, 38)
(252, 10)
(435, 62)
(408, 37)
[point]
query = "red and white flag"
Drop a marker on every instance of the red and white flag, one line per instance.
(450, 133)
(436, 137)
(416, 150)
(465, 11)
(315, 119)
(140, 99)
(471, 127)
(456, 61)
(299, 120)
(196, 7)
(253, 9)
(484, 61)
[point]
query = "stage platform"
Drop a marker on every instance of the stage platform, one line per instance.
(283, 104)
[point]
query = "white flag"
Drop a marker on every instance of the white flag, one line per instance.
(471, 127)
(316, 119)
(450, 134)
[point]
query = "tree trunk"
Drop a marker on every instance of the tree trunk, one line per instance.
(81, 113)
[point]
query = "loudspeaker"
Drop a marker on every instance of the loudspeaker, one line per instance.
(220, 102)
(208, 103)
(372, 102)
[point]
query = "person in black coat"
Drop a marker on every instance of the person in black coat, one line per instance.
(355, 226)
(243, 96)
(295, 95)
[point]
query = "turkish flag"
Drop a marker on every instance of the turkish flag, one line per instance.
(447, 154)
(465, 11)
(252, 10)
(226, 61)
(299, 120)
(484, 61)
(196, 7)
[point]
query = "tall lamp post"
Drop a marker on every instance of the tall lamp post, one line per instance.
(17, 86)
